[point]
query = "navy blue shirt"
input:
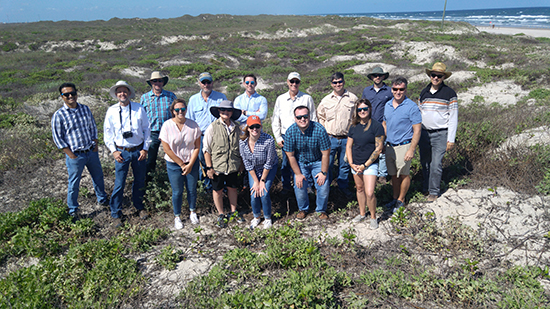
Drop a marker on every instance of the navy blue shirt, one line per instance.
(378, 100)
(307, 146)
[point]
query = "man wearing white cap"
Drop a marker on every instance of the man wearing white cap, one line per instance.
(157, 105)
(283, 118)
(127, 135)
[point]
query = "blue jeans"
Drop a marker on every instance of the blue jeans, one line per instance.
(263, 202)
(338, 148)
(177, 181)
(152, 154)
(382, 168)
(75, 167)
(138, 187)
(205, 180)
(309, 171)
(433, 146)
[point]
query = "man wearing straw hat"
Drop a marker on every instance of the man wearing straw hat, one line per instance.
(439, 107)
(126, 134)
(378, 94)
(157, 105)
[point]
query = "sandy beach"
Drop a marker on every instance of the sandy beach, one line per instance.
(534, 32)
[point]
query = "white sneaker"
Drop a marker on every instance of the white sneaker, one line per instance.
(254, 223)
(373, 224)
(267, 224)
(177, 223)
(358, 219)
(194, 218)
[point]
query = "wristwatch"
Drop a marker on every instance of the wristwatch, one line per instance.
(263, 180)
(324, 173)
(208, 168)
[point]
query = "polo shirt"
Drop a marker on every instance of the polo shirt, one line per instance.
(198, 109)
(399, 121)
(307, 146)
(378, 100)
(440, 110)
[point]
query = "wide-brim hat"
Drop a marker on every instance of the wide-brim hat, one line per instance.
(439, 67)
(214, 110)
(378, 70)
(158, 75)
(122, 83)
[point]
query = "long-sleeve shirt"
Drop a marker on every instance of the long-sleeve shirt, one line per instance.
(283, 112)
(440, 110)
(74, 128)
(263, 157)
(119, 120)
(335, 113)
(157, 107)
(253, 105)
(198, 109)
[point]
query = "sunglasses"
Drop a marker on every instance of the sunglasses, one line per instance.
(377, 75)
(398, 89)
(177, 110)
(255, 127)
(67, 94)
(206, 82)
(338, 82)
(225, 109)
(156, 81)
(306, 116)
(436, 75)
(295, 81)
(363, 109)
(250, 82)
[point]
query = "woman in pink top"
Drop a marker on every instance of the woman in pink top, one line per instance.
(181, 140)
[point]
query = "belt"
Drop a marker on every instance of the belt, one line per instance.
(83, 151)
(435, 130)
(400, 144)
(130, 149)
(338, 136)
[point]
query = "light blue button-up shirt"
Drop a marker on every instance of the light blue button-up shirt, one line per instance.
(198, 109)
(253, 105)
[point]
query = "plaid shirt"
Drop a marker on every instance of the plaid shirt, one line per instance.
(74, 128)
(264, 156)
(157, 107)
(307, 146)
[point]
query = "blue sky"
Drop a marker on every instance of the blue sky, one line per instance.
(55, 10)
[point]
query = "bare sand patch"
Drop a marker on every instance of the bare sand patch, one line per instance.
(534, 32)
(167, 40)
(528, 138)
(503, 92)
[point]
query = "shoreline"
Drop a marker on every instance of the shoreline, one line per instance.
(534, 32)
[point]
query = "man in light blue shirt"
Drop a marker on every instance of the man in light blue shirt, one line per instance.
(198, 110)
(250, 102)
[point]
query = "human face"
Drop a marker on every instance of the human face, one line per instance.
(70, 100)
(206, 86)
(301, 116)
(399, 92)
(122, 94)
(157, 84)
(377, 78)
(437, 78)
(255, 130)
(338, 85)
(250, 85)
(363, 111)
(225, 113)
(180, 110)
(293, 85)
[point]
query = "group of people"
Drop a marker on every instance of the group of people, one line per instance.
(372, 137)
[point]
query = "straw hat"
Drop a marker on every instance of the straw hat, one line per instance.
(158, 75)
(214, 110)
(122, 83)
(439, 67)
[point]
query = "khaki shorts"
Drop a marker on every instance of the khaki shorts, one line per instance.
(395, 160)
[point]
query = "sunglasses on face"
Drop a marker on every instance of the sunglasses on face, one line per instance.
(255, 127)
(206, 82)
(436, 75)
(67, 94)
(398, 89)
(363, 109)
(295, 81)
(336, 82)
(250, 82)
(156, 81)
(377, 75)
(306, 116)
(177, 110)
(225, 109)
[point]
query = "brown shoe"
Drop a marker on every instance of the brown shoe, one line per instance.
(301, 215)
(117, 222)
(432, 198)
(323, 216)
(143, 214)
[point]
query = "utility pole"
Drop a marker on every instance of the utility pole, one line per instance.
(443, 19)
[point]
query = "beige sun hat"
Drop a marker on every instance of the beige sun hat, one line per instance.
(122, 83)
(158, 75)
(439, 67)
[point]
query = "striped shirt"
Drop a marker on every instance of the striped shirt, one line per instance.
(439, 110)
(74, 128)
(264, 156)
(157, 107)
(307, 146)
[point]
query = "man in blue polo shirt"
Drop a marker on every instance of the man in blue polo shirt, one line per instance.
(402, 123)
(157, 105)
(198, 110)
(250, 102)
(307, 145)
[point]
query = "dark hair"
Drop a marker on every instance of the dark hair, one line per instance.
(336, 75)
(399, 80)
(176, 101)
(66, 85)
(249, 75)
(301, 107)
(355, 119)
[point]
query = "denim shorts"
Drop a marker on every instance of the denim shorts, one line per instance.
(371, 170)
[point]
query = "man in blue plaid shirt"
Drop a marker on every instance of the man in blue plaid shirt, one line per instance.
(157, 105)
(307, 145)
(74, 131)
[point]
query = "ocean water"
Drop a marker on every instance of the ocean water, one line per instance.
(516, 17)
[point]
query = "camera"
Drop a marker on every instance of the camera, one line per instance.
(127, 134)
